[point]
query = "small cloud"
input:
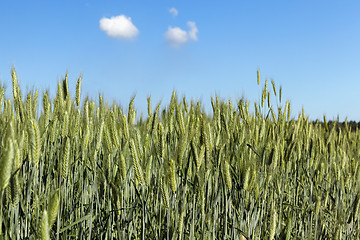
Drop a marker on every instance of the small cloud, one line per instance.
(119, 27)
(193, 30)
(174, 11)
(176, 36)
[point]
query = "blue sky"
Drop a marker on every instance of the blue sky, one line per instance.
(122, 48)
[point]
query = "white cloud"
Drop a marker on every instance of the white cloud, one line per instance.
(174, 11)
(193, 30)
(119, 27)
(176, 36)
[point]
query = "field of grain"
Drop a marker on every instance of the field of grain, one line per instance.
(90, 170)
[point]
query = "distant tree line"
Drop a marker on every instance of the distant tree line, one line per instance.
(352, 125)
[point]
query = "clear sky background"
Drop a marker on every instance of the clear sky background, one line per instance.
(199, 48)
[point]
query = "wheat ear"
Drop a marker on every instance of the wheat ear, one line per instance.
(35, 141)
(78, 91)
(6, 165)
(53, 208)
(137, 167)
(66, 157)
(227, 175)
(44, 227)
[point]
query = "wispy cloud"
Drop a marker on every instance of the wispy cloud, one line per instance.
(176, 36)
(119, 27)
(193, 31)
(174, 11)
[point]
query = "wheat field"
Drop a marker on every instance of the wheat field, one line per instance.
(72, 169)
